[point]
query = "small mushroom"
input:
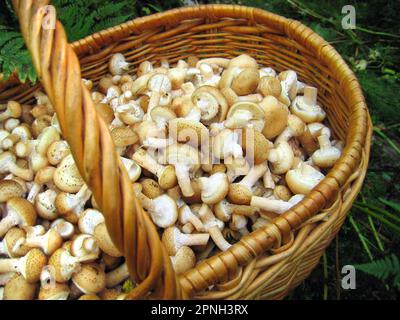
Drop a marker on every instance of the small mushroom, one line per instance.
(255, 145)
(57, 151)
(18, 288)
(84, 245)
(20, 212)
(226, 144)
(243, 114)
(306, 108)
(129, 113)
(150, 188)
(187, 216)
(243, 81)
(211, 103)
(13, 243)
(270, 86)
(161, 116)
(133, 169)
(30, 265)
(275, 117)
(241, 192)
(236, 167)
(281, 157)
(48, 242)
(104, 241)
(186, 160)
(88, 221)
(13, 110)
(163, 210)
(183, 260)
(303, 178)
(67, 177)
(327, 155)
(224, 210)
(45, 204)
(42, 177)
(188, 131)
(158, 85)
(117, 64)
(64, 228)
(214, 188)
(90, 279)
(288, 80)
(214, 227)
(166, 174)
(10, 188)
(174, 239)
(8, 163)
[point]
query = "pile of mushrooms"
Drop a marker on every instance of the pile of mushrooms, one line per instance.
(215, 148)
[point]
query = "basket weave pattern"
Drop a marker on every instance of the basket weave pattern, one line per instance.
(269, 262)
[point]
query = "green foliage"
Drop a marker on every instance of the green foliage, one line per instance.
(383, 269)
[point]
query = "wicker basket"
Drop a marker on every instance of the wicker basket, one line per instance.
(269, 262)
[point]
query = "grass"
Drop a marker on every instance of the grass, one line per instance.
(372, 231)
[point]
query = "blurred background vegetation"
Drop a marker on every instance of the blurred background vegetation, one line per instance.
(370, 236)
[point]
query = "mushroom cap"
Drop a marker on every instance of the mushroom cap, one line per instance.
(170, 240)
(270, 86)
(283, 157)
(282, 192)
(117, 64)
(288, 80)
(11, 241)
(254, 108)
(167, 178)
(255, 145)
(214, 188)
(239, 194)
(164, 212)
(162, 114)
(188, 131)
(307, 113)
(196, 197)
(124, 136)
(57, 151)
(10, 188)
(56, 291)
(35, 260)
(24, 209)
(222, 143)
(303, 179)
(159, 82)
(276, 117)
(243, 61)
(18, 288)
(67, 177)
(45, 204)
(90, 279)
(326, 158)
(105, 111)
(104, 240)
(184, 260)
(150, 188)
(217, 106)
(63, 263)
(246, 82)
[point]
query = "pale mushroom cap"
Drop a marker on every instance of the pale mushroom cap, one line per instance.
(239, 194)
(211, 102)
(117, 64)
(276, 116)
(90, 279)
(284, 158)
(303, 179)
(164, 212)
(243, 61)
(67, 177)
(184, 260)
(246, 82)
(18, 288)
(162, 114)
(214, 188)
(63, 264)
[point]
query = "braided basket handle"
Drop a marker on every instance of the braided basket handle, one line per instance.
(93, 149)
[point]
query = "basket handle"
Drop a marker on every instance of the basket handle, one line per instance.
(93, 149)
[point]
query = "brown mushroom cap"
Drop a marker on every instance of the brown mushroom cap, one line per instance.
(11, 239)
(89, 297)
(104, 240)
(246, 82)
(239, 194)
(270, 86)
(67, 177)
(214, 188)
(255, 145)
(105, 111)
(10, 188)
(188, 131)
(243, 61)
(150, 188)
(35, 260)
(18, 288)
(276, 117)
(56, 291)
(24, 209)
(124, 136)
(167, 178)
(90, 279)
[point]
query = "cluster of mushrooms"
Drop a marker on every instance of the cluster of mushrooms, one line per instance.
(215, 148)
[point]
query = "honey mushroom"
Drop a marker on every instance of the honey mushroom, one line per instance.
(275, 206)
(10, 188)
(214, 188)
(116, 276)
(186, 216)
(174, 239)
(306, 108)
(48, 242)
(13, 245)
(183, 260)
(18, 288)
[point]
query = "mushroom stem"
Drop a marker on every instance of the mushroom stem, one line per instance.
(182, 174)
(157, 143)
(276, 206)
(116, 276)
(310, 95)
(254, 174)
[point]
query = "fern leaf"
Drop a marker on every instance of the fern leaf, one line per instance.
(383, 269)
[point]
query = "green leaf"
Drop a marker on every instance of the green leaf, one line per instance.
(391, 204)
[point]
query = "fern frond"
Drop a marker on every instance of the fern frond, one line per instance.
(383, 269)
